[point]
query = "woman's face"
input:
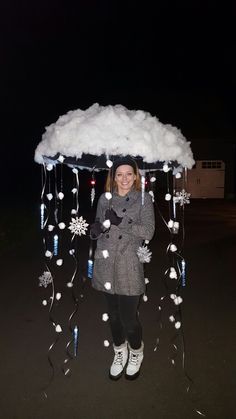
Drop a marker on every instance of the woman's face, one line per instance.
(124, 178)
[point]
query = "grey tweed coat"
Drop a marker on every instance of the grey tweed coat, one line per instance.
(122, 272)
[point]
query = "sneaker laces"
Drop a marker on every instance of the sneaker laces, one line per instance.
(118, 358)
(134, 358)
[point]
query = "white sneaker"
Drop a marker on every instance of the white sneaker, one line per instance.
(119, 362)
(134, 364)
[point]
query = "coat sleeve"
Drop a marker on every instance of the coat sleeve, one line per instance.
(145, 228)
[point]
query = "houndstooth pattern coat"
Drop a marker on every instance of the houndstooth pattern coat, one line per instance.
(121, 272)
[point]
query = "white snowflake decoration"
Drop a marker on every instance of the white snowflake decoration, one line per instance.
(78, 226)
(45, 279)
(182, 197)
(144, 254)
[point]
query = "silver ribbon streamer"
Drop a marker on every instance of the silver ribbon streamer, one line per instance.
(176, 260)
(53, 344)
(73, 252)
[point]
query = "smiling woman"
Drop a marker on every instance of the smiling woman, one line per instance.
(124, 178)
(123, 222)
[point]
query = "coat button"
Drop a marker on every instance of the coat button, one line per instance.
(127, 199)
(124, 210)
(107, 236)
(120, 237)
(130, 221)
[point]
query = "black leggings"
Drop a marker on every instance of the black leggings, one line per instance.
(123, 317)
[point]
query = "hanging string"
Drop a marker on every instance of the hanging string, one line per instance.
(74, 330)
(44, 208)
(55, 195)
(92, 183)
(56, 327)
(48, 253)
(61, 194)
(176, 260)
(76, 195)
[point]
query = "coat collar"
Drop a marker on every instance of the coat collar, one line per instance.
(131, 195)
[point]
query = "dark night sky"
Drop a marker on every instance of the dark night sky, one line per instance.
(175, 61)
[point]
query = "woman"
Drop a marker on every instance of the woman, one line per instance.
(122, 223)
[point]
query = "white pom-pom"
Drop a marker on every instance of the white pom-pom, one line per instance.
(61, 159)
(61, 195)
(145, 298)
(71, 251)
(173, 248)
(177, 325)
(166, 168)
(69, 284)
(74, 170)
(50, 227)
(146, 280)
(106, 343)
(61, 226)
(58, 328)
(108, 195)
(58, 296)
(73, 211)
(105, 317)
(59, 262)
(178, 300)
(107, 285)
(44, 302)
(153, 179)
(48, 254)
(105, 254)
(173, 273)
(172, 296)
(49, 167)
(109, 163)
(170, 223)
(146, 241)
(168, 197)
(172, 319)
(106, 223)
(49, 196)
(176, 225)
(74, 190)
(178, 175)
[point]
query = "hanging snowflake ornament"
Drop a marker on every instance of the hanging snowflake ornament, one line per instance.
(45, 279)
(144, 254)
(182, 197)
(78, 226)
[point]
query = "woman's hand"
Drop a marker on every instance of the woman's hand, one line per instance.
(113, 217)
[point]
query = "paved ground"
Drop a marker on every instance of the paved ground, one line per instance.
(160, 392)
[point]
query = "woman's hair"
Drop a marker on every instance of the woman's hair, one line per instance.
(111, 183)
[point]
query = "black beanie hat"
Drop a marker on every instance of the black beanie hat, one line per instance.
(124, 160)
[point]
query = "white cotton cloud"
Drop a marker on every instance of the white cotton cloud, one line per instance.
(114, 130)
